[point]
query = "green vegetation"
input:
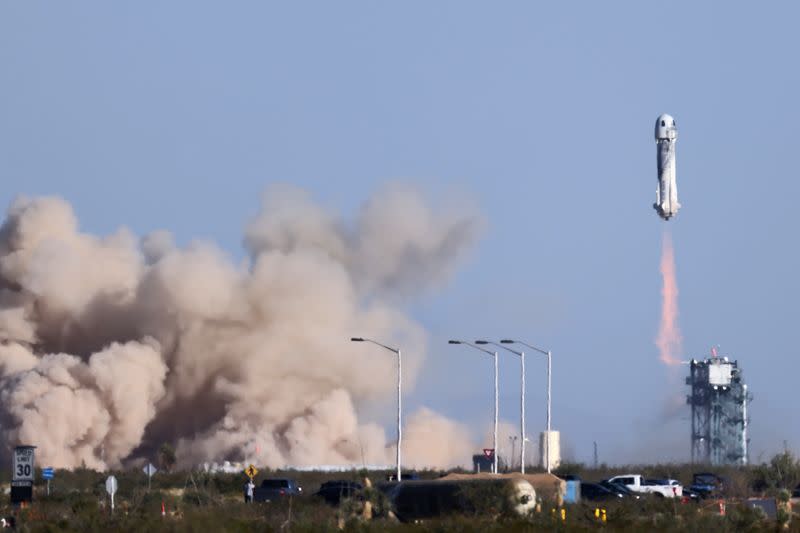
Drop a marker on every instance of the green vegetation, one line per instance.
(166, 457)
(213, 502)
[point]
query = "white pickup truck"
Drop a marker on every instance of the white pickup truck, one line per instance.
(669, 488)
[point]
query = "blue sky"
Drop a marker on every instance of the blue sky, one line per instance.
(176, 115)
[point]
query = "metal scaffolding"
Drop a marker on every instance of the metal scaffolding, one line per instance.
(718, 399)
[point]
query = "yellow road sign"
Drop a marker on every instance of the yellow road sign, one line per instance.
(251, 471)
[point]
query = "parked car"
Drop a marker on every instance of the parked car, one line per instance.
(272, 489)
(595, 492)
(621, 489)
(407, 476)
(690, 496)
(707, 485)
(687, 495)
(665, 482)
(333, 492)
(668, 488)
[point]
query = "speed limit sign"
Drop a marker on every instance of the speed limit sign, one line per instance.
(22, 474)
(23, 464)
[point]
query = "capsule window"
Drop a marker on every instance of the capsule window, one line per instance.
(663, 124)
(673, 123)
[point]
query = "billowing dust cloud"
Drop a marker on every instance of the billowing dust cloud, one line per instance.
(111, 346)
(669, 340)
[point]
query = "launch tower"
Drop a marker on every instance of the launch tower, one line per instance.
(719, 401)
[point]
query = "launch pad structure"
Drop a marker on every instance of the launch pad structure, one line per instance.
(718, 400)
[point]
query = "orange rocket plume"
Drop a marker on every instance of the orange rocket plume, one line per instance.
(669, 338)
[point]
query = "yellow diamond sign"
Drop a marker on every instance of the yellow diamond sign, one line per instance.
(251, 471)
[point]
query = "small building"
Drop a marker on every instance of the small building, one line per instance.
(482, 463)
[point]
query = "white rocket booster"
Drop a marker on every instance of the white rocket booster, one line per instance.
(667, 192)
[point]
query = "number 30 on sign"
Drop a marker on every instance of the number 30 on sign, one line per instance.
(23, 463)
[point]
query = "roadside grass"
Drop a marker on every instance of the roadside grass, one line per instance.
(197, 501)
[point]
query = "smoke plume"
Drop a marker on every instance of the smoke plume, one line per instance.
(669, 340)
(111, 346)
(432, 439)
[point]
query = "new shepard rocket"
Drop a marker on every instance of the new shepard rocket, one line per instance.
(667, 192)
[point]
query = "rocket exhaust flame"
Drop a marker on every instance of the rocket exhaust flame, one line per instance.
(669, 340)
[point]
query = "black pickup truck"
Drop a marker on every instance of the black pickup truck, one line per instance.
(272, 489)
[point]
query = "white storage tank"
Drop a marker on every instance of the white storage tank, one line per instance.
(553, 438)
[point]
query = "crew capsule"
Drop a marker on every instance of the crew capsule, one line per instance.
(665, 128)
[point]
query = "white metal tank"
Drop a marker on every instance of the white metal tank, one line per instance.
(554, 442)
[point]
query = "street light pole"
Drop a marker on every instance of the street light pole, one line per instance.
(399, 398)
(496, 395)
(521, 399)
(522, 415)
(496, 411)
(549, 402)
(549, 393)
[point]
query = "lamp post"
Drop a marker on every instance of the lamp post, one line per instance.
(496, 396)
(522, 399)
(399, 397)
(549, 393)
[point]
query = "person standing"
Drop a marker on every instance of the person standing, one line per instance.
(249, 487)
